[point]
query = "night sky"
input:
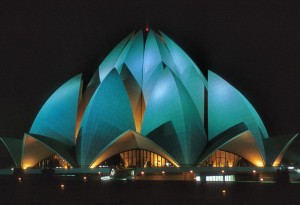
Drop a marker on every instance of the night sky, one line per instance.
(254, 45)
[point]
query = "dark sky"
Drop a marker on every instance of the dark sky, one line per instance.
(254, 45)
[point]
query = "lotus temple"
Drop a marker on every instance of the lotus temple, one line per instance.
(148, 107)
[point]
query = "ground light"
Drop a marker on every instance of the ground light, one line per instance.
(198, 178)
(62, 186)
(19, 179)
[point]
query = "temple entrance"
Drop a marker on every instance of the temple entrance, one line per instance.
(136, 158)
(222, 158)
(53, 161)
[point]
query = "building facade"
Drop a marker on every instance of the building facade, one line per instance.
(147, 105)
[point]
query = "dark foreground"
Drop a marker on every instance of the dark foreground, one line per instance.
(48, 190)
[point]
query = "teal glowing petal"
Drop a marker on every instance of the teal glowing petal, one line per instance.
(152, 56)
(259, 122)
(181, 59)
(166, 57)
(109, 62)
(134, 92)
(195, 88)
(106, 117)
(170, 105)
(227, 107)
(57, 117)
(189, 74)
(122, 56)
(135, 57)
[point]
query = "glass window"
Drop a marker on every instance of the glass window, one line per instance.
(222, 158)
(142, 158)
